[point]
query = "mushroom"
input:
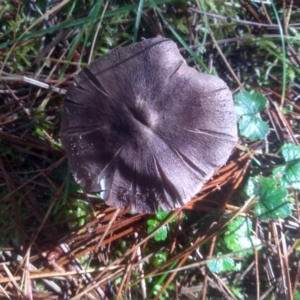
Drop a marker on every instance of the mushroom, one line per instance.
(144, 129)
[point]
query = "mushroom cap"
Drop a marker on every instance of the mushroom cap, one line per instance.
(146, 130)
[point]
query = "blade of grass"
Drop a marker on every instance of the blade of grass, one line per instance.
(205, 21)
(138, 20)
(94, 17)
(97, 31)
(284, 75)
(180, 40)
(85, 29)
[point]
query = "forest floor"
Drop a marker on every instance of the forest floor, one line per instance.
(237, 239)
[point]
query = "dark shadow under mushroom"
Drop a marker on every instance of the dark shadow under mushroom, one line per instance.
(144, 129)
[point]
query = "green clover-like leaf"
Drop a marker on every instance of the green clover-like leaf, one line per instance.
(238, 237)
(249, 104)
(161, 234)
(289, 175)
(247, 107)
(221, 265)
(272, 198)
(253, 128)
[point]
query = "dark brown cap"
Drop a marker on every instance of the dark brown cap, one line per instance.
(146, 130)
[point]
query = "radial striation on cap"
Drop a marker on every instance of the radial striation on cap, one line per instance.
(146, 130)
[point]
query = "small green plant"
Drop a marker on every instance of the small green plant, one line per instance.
(165, 294)
(155, 221)
(297, 295)
(247, 107)
(239, 237)
(75, 211)
(272, 200)
(79, 209)
(221, 265)
(289, 174)
(271, 192)
(159, 258)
